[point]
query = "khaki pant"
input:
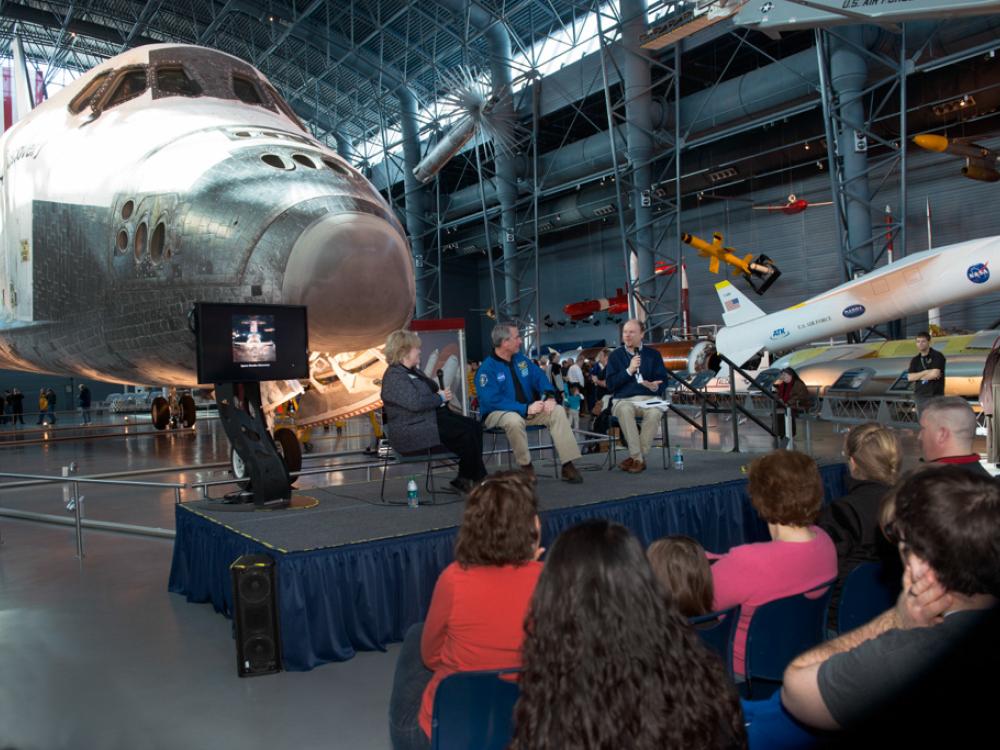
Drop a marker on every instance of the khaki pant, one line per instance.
(514, 425)
(626, 411)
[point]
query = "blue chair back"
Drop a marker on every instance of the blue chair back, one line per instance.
(474, 711)
(717, 631)
(865, 596)
(781, 630)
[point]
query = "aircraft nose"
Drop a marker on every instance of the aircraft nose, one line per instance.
(354, 272)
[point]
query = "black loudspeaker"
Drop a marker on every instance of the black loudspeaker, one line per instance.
(255, 615)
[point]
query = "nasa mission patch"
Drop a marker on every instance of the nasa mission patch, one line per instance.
(483, 380)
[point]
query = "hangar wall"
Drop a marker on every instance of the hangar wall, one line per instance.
(587, 262)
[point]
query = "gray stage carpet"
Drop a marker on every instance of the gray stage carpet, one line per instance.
(352, 513)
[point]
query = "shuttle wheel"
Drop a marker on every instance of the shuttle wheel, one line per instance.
(160, 412)
(239, 470)
(188, 411)
(289, 449)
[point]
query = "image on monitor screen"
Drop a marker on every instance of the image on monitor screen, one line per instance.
(254, 339)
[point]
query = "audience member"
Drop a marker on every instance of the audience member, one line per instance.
(571, 403)
(794, 394)
(417, 415)
(514, 393)
(477, 610)
(787, 492)
(873, 455)
(609, 662)
(574, 373)
(635, 374)
(680, 564)
(924, 671)
(947, 431)
(43, 406)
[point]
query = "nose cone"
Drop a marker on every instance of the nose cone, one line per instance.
(354, 273)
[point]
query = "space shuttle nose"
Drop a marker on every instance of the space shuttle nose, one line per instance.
(354, 272)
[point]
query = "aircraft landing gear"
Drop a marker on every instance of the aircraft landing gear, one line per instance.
(174, 412)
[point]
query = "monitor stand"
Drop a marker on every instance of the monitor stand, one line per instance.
(243, 420)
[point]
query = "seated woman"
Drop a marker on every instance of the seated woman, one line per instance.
(417, 415)
(794, 394)
(608, 660)
(477, 610)
(873, 458)
(787, 492)
(680, 564)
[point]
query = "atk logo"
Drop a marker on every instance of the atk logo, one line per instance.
(779, 333)
(854, 311)
(979, 273)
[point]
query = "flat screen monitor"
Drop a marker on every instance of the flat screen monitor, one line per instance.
(250, 342)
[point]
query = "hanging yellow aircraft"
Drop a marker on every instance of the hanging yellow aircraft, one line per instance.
(748, 267)
(980, 162)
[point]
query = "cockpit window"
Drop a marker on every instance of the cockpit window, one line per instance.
(81, 100)
(246, 91)
(130, 85)
(284, 106)
(175, 82)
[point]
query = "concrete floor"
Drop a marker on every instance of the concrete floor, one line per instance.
(97, 654)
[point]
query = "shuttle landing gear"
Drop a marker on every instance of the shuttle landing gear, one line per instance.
(174, 412)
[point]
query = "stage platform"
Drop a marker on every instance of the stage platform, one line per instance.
(354, 574)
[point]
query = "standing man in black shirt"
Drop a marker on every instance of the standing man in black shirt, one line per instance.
(926, 372)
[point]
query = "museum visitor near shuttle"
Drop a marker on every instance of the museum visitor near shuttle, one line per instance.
(514, 393)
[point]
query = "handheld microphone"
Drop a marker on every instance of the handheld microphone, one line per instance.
(440, 376)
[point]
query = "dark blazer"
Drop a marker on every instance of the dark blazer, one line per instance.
(852, 523)
(410, 410)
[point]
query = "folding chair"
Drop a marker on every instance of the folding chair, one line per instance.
(474, 710)
(718, 632)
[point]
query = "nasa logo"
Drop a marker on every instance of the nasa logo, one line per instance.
(979, 273)
(779, 333)
(854, 311)
(483, 380)
(501, 377)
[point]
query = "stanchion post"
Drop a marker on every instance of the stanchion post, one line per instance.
(735, 411)
(790, 427)
(177, 495)
(78, 514)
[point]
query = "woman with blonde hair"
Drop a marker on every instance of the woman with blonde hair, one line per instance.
(417, 413)
(873, 454)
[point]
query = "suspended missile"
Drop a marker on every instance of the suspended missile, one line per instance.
(980, 162)
(748, 267)
(931, 278)
(613, 305)
(449, 145)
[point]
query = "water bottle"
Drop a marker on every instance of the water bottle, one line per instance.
(678, 459)
(412, 496)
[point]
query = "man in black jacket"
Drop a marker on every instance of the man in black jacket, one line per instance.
(926, 372)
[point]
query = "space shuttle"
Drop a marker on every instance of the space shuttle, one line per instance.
(172, 174)
(931, 278)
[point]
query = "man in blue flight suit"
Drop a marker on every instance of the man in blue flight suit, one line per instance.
(514, 392)
(635, 374)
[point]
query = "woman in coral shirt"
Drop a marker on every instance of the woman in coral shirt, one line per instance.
(477, 610)
(787, 492)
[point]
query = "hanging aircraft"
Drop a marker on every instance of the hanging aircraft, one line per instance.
(172, 174)
(748, 267)
(980, 162)
(794, 205)
(612, 305)
(931, 278)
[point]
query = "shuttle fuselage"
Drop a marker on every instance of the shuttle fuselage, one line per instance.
(172, 174)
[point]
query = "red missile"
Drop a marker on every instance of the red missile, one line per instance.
(613, 305)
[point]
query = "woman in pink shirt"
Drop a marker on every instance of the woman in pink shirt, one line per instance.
(477, 610)
(786, 490)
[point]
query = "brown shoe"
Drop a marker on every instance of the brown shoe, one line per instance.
(626, 464)
(571, 474)
(529, 472)
(636, 467)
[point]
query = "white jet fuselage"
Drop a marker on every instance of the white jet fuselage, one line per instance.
(931, 278)
(117, 214)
